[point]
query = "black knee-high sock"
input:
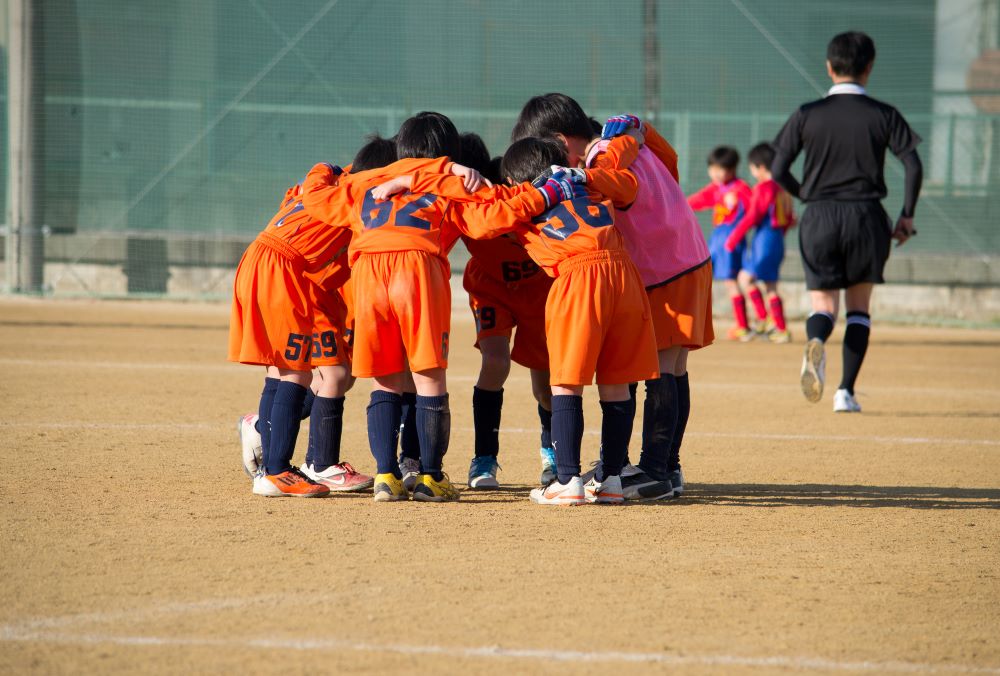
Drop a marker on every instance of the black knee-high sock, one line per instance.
(434, 430)
(326, 426)
(307, 404)
(264, 411)
(384, 411)
(616, 428)
(545, 418)
(409, 441)
(486, 408)
(683, 413)
(633, 388)
(284, 427)
(855, 345)
(567, 434)
(659, 422)
(819, 325)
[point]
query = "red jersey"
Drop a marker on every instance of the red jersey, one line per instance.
(324, 247)
(770, 207)
(417, 220)
(714, 197)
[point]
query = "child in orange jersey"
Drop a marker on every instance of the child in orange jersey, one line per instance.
(402, 296)
(597, 318)
(291, 313)
(506, 290)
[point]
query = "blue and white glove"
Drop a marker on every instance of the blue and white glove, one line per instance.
(619, 124)
(563, 184)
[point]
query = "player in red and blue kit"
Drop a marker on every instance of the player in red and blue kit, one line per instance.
(728, 197)
(771, 214)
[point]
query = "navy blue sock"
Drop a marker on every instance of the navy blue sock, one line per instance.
(567, 434)
(819, 325)
(855, 346)
(616, 428)
(486, 408)
(683, 413)
(632, 390)
(384, 411)
(434, 430)
(659, 422)
(326, 426)
(264, 411)
(284, 427)
(545, 418)
(409, 441)
(307, 405)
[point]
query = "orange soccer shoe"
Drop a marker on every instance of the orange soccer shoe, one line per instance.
(292, 483)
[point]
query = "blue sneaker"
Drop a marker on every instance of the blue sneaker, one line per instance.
(483, 472)
(548, 466)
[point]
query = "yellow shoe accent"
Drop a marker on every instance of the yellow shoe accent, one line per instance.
(389, 489)
(429, 490)
(779, 337)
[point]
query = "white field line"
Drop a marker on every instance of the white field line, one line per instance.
(942, 441)
(9, 633)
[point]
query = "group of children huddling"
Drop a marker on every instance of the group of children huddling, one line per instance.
(580, 237)
(766, 209)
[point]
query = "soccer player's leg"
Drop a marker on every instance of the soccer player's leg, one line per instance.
(409, 441)
(726, 267)
(857, 302)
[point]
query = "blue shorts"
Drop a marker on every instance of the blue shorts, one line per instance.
(725, 265)
(764, 255)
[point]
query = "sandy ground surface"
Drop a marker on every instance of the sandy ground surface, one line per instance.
(807, 542)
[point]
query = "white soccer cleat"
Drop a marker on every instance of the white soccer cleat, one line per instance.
(410, 469)
(813, 370)
(342, 478)
(560, 494)
(607, 492)
(844, 402)
(253, 449)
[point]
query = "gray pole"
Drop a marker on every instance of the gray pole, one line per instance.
(25, 251)
(651, 58)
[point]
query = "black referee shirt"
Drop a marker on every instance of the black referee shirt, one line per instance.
(845, 137)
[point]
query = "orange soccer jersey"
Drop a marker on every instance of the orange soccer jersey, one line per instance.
(286, 311)
(596, 315)
(507, 289)
(399, 250)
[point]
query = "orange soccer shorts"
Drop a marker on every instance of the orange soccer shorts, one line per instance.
(682, 310)
(281, 318)
(498, 307)
(402, 312)
(597, 320)
(346, 293)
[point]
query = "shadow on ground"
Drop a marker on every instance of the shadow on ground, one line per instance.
(823, 495)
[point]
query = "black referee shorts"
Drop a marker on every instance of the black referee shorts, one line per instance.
(844, 243)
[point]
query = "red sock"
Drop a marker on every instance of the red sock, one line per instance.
(777, 312)
(740, 311)
(758, 303)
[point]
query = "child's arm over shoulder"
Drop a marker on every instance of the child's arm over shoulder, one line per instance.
(325, 195)
(761, 198)
(609, 176)
(703, 199)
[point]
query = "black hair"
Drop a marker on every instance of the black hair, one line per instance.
(726, 157)
(429, 135)
(493, 173)
(850, 53)
(596, 127)
(762, 155)
(376, 152)
(474, 154)
(530, 157)
(552, 114)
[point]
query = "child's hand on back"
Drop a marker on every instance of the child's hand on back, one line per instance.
(730, 200)
(619, 124)
(393, 186)
(559, 184)
(471, 179)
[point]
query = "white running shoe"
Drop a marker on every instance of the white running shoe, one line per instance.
(559, 494)
(608, 492)
(253, 449)
(844, 402)
(813, 370)
(410, 468)
(342, 478)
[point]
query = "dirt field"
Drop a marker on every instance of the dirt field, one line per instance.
(807, 542)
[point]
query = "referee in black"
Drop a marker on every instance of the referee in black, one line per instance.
(845, 234)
